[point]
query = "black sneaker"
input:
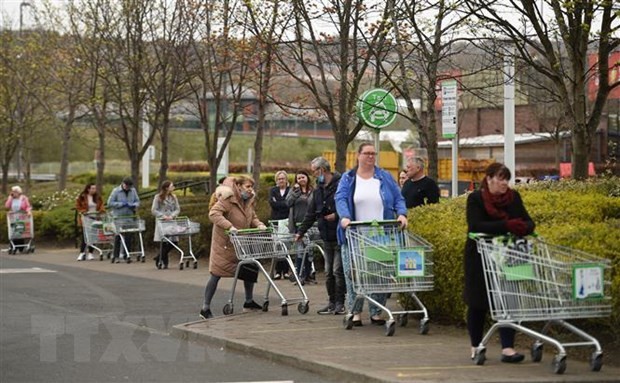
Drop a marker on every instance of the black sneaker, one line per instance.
(339, 309)
(327, 310)
(251, 306)
(206, 314)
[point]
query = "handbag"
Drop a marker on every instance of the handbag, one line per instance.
(248, 272)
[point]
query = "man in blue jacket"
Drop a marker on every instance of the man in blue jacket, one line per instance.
(123, 201)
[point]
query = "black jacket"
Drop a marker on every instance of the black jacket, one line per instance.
(321, 204)
(479, 221)
(279, 208)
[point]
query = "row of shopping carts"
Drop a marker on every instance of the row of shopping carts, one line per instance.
(527, 279)
(100, 231)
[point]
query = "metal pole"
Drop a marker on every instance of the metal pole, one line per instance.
(377, 145)
(509, 114)
(20, 142)
(455, 166)
(146, 159)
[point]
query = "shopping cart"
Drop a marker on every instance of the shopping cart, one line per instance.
(98, 233)
(255, 245)
(387, 259)
(311, 242)
(21, 232)
(529, 280)
(171, 230)
(129, 225)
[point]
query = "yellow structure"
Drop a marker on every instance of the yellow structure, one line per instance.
(469, 169)
(387, 160)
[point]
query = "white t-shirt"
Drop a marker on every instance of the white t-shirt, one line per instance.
(92, 205)
(367, 199)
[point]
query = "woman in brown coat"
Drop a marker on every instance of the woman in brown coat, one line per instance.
(232, 213)
(89, 201)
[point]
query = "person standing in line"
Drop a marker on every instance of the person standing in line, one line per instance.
(366, 193)
(123, 201)
(280, 211)
(297, 200)
(498, 210)
(322, 208)
(402, 177)
(232, 213)
(89, 201)
(165, 207)
(419, 189)
(222, 192)
(16, 202)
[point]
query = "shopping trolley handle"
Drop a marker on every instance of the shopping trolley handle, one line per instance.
(375, 223)
(476, 236)
(248, 231)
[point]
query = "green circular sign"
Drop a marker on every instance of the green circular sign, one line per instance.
(377, 108)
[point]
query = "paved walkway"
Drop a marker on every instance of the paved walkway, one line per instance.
(320, 344)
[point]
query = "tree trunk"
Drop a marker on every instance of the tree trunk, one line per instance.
(581, 153)
(5, 178)
(341, 152)
(258, 144)
(64, 155)
(101, 160)
(163, 164)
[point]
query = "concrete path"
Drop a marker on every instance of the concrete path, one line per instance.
(320, 343)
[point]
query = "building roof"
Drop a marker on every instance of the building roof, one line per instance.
(498, 140)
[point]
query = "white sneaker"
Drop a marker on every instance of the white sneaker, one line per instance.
(90, 257)
(81, 257)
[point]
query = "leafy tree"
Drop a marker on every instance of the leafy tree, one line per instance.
(327, 53)
(218, 68)
(554, 37)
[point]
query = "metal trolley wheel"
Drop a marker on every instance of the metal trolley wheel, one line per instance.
(424, 326)
(347, 321)
(558, 365)
(596, 361)
(284, 310)
(536, 352)
(303, 307)
(480, 357)
(390, 328)
(228, 309)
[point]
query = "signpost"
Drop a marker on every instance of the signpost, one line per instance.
(377, 108)
(449, 124)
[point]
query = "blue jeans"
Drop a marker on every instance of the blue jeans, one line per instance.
(356, 306)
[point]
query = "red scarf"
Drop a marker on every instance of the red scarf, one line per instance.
(494, 203)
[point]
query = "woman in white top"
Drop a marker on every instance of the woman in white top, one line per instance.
(366, 193)
(166, 207)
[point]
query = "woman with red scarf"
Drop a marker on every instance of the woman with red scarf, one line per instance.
(497, 210)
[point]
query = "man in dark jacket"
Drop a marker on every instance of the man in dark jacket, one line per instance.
(419, 189)
(322, 208)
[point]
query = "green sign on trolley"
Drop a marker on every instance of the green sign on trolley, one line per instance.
(377, 108)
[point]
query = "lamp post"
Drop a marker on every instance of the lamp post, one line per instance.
(20, 143)
(21, 15)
